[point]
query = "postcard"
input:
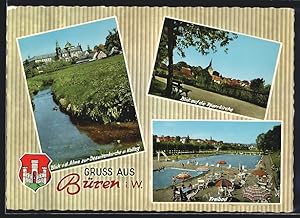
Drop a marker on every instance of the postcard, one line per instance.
(192, 162)
(214, 68)
(80, 93)
(149, 109)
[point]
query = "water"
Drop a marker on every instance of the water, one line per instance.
(249, 161)
(163, 178)
(59, 137)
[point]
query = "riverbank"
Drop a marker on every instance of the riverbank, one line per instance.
(97, 91)
(127, 133)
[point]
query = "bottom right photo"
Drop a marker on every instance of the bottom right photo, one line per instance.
(216, 161)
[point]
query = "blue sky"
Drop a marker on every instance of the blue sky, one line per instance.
(86, 34)
(247, 58)
(227, 131)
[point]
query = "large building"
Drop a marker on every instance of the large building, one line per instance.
(67, 53)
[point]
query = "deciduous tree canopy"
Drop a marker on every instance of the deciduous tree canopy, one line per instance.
(180, 35)
(270, 140)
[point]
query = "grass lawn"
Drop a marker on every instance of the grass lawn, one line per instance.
(97, 90)
(157, 87)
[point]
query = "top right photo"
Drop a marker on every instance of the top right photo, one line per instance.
(214, 68)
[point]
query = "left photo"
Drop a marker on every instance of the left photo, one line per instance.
(80, 93)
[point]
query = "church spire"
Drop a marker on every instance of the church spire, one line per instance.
(209, 68)
(210, 63)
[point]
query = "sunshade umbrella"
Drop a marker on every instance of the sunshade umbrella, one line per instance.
(223, 183)
(183, 176)
(222, 162)
(259, 172)
(254, 193)
(203, 168)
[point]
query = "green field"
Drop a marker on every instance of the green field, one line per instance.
(97, 90)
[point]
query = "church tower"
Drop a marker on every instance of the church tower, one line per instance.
(209, 68)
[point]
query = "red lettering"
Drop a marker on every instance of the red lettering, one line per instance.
(97, 184)
(87, 183)
(115, 183)
(70, 183)
(106, 184)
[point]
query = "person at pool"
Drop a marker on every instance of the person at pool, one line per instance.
(190, 186)
(175, 192)
(182, 195)
(173, 180)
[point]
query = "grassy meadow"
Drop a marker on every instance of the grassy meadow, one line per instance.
(97, 91)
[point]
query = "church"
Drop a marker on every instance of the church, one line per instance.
(67, 53)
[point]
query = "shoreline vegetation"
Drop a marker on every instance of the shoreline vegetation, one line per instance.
(98, 91)
(97, 97)
(125, 133)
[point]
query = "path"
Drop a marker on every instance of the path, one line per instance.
(239, 106)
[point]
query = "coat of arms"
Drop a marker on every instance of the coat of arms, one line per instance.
(34, 171)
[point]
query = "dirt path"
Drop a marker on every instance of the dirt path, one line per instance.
(239, 106)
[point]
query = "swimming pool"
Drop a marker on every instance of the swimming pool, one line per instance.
(249, 161)
(163, 178)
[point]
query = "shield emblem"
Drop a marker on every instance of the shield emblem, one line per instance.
(34, 172)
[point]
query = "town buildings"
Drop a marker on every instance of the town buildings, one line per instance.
(216, 77)
(68, 53)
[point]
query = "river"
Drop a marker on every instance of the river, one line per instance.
(59, 137)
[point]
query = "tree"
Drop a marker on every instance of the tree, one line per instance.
(88, 48)
(267, 89)
(162, 55)
(96, 48)
(257, 84)
(187, 140)
(180, 64)
(181, 35)
(271, 140)
(100, 47)
(261, 143)
(113, 40)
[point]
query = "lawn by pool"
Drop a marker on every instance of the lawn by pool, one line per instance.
(163, 178)
(249, 161)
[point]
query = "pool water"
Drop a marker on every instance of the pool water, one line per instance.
(163, 179)
(236, 160)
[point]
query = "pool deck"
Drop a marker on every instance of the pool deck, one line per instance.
(166, 195)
